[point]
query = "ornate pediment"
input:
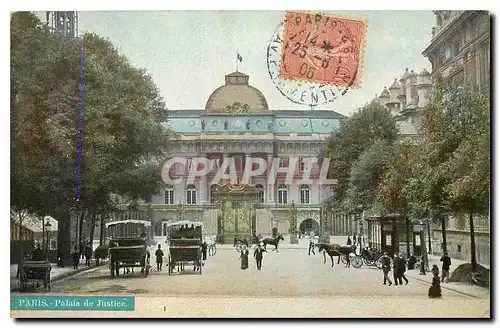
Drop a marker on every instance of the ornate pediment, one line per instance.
(229, 188)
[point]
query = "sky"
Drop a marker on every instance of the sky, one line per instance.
(188, 53)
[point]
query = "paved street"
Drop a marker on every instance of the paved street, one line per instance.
(291, 283)
(291, 272)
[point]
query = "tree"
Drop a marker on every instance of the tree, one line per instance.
(401, 167)
(358, 133)
(366, 175)
(470, 164)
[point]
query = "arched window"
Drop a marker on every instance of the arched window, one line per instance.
(169, 195)
(213, 193)
(304, 194)
(260, 197)
(282, 194)
(191, 195)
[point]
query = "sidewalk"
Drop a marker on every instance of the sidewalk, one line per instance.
(56, 273)
(460, 287)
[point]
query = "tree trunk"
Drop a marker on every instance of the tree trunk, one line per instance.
(429, 236)
(101, 235)
(92, 229)
(473, 260)
(64, 237)
(80, 229)
(443, 232)
(408, 250)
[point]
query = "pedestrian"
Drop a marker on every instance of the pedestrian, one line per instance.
(159, 258)
(258, 254)
(235, 241)
(402, 262)
(386, 267)
(411, 262)
(204, 250)
(435, 289)
(445, 274)
(88, 254)
(244, 258)
(311, 247)
(349, 242)
(396, 264)
(359, 241)
(76, 258)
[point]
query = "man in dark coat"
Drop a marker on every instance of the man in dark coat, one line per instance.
(396, 263)
(204, 250)
(349, 242)
(38, 254)
(76, 258)
(402, 262)
(386, 267)
(311, 247)
(88, 254)
(159, 258)
(445, 273)
(258, 254)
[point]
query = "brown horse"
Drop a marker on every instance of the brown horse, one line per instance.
(335, 250)
(273, 241)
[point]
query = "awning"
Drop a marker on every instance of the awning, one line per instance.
(184, 222)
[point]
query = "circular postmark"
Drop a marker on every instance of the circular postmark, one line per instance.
(312, 59)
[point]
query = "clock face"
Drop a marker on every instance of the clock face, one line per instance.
(237, 123)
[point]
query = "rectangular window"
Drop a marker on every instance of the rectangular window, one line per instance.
(191, 197)
(169, 196)
(260, 198)
(282, 197)
(304, 196)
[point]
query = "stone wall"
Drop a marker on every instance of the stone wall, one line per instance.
(459, 245)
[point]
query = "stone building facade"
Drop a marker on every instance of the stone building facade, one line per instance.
(460, 47)
(238, 123)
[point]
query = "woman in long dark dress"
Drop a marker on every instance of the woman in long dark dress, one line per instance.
(244, 258)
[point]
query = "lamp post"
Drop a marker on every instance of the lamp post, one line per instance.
(47, 226)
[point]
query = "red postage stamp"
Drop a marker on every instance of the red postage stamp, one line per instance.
(322, 49)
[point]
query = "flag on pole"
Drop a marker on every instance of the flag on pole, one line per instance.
(238, 56)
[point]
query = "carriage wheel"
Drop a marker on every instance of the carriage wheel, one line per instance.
(357, 261)
(343, 258)
(368, 262)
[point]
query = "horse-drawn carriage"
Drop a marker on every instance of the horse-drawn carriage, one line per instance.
(128, 246)
(184, 240)
(257, 240)
(343, 252)
(34, 272)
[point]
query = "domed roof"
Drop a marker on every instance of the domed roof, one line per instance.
(236, 95)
